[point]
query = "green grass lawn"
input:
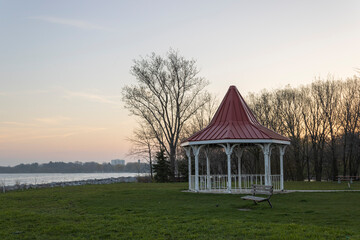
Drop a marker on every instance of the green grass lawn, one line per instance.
(162, 211)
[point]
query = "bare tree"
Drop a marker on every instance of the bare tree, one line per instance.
(316, 125)
(350, 117)
(143, 144)
(263, 108)
(168, 92)
(323, 122)
(328, 93)
(201, 118)
(289, 106)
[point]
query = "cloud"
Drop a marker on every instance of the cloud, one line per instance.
(115, 100)
(12, 123)
(53, 120)
(39, 122)
(14, 134)
(25, 92)
(16, 124)
(68, 133)
(71, 22)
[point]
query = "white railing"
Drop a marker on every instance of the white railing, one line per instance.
(219, 182)
(275, 181)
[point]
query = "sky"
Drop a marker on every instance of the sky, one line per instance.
(63, 63)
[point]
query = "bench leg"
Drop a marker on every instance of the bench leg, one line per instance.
(269, 203)
(255, 202)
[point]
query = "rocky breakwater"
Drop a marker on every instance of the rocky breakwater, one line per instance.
(70, 183)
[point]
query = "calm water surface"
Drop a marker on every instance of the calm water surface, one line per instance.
(38, 178)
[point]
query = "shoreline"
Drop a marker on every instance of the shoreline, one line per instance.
(111, 180)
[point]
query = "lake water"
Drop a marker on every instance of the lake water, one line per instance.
(38, 178)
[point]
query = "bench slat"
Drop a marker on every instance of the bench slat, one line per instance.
(262, 192)
(254, 198)
(262, 187)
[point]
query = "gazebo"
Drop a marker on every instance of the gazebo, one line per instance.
(234, 127)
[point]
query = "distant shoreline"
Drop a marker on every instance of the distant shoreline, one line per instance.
(60, 172)
(15, 187)
(11, 179)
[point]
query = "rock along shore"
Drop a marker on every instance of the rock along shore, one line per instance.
(70, 183)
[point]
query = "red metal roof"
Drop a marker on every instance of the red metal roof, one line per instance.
(234, 120)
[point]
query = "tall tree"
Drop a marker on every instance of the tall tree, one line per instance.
(350, 121)
(289, 105)
(328, 93)
(167, 93)
(316, 125)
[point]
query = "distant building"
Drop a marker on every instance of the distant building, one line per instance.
(117, 162)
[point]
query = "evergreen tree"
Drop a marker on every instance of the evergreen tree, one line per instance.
(162, 167)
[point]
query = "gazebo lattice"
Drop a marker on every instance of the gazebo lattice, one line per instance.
(233, 127)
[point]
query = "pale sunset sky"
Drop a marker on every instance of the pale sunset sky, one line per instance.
(63, 63)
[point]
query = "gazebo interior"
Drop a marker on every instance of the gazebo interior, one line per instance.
(234, 128)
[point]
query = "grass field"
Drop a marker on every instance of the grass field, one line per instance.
(162, 211)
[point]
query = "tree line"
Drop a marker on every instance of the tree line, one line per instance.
(322, 120)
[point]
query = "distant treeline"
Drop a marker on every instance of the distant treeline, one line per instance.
(323, 122)
(76, 167)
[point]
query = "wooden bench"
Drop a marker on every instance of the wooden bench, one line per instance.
(262, 190)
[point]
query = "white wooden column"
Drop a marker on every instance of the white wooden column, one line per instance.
(208, 180)
(266, 150)
(188, 154)
(196, 150)
(282, 152)
(228, 150)
(269, 165)
(239, 152)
